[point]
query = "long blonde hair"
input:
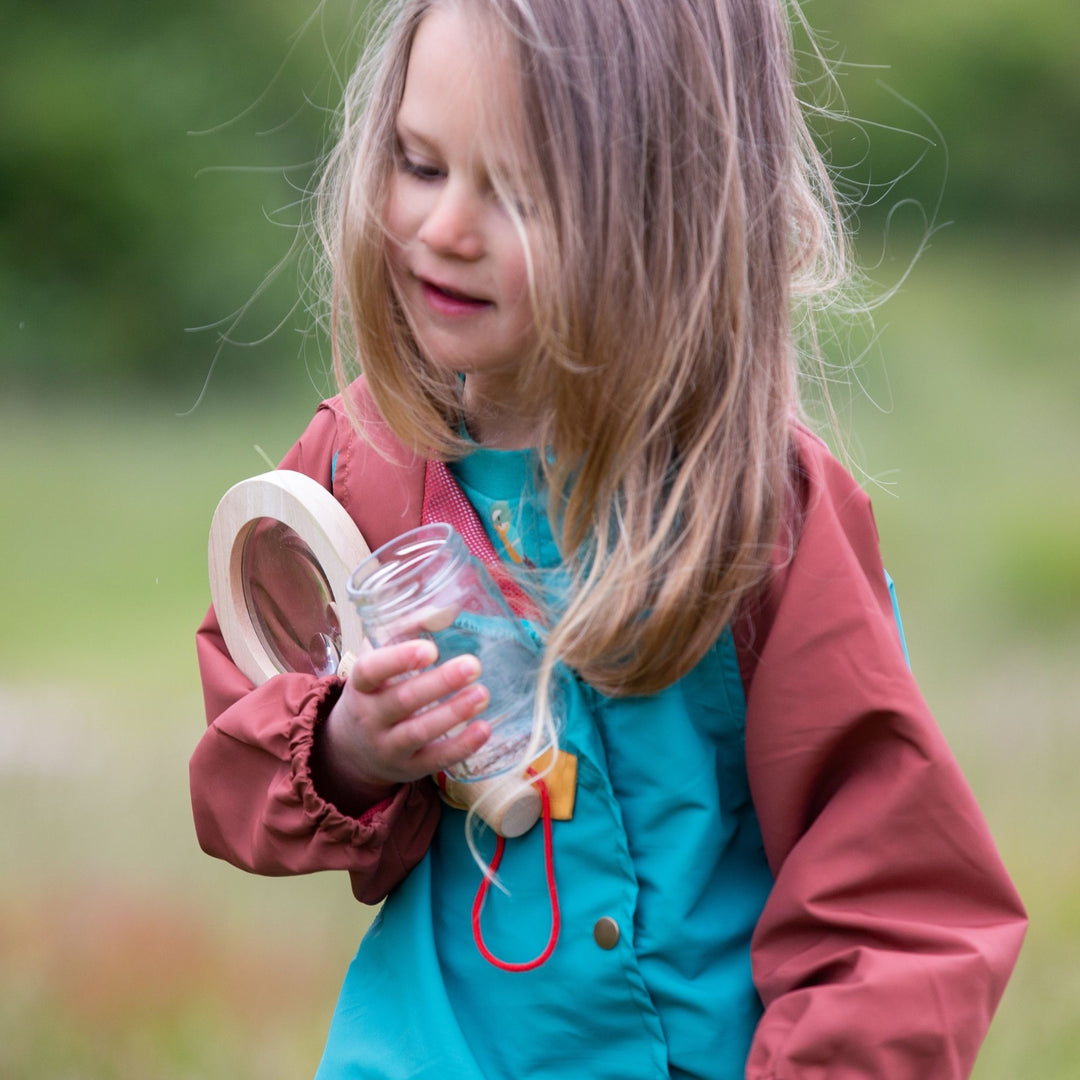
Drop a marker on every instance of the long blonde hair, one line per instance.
(682, 209)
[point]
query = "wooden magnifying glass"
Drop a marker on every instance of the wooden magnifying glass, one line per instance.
(281, 550)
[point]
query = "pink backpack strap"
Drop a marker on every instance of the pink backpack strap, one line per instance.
(445, 501)
(387, 489)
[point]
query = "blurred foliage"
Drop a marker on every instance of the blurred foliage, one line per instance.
(974, 105)
(154, 160)
(152, 168)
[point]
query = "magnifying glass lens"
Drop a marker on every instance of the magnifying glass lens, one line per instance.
(289, 599)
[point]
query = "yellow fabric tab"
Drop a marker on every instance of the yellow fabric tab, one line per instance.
(561, 783)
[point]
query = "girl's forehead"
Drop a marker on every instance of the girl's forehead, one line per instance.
(465, 46)
(461, 74)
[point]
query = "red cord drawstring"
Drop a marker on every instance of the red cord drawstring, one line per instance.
(549, 866)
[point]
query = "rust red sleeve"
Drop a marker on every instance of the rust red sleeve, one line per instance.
(254, 800)
(892, 926)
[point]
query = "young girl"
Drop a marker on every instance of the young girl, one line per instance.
(567, 238)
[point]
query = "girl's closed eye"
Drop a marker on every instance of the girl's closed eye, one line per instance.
(415, 166)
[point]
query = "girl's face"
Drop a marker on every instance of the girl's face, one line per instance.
(456, 257)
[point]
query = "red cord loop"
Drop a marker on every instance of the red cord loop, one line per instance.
(549, 867)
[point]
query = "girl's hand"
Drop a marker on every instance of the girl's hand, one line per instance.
(386, 730)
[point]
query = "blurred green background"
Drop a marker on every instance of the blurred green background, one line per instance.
(153, 163)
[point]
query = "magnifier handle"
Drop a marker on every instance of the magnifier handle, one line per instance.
(345, 664)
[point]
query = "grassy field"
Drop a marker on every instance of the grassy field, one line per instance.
(125, 953)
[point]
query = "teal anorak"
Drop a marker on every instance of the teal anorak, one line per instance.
(663, 850)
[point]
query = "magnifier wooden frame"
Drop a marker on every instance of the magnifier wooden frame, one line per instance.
(307, 508)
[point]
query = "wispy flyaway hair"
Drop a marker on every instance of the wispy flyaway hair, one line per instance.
(681, 208)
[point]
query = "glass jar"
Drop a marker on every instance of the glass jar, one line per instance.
(426, 584)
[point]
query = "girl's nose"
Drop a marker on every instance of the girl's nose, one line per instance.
(452, 225)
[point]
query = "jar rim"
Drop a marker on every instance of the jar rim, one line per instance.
(390, 577)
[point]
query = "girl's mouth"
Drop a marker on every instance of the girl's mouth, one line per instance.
(448, 301)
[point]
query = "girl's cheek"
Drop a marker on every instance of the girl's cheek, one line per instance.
(515, 271)
(398, 275)
(399, 231)
(398, 214)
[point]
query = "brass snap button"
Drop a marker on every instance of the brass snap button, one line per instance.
(606, 932)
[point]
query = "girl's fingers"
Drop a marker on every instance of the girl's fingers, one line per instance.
(395, 701)
(409, 708)
(411, 735)
(442, 753)
(376, 667)
(424, 690)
